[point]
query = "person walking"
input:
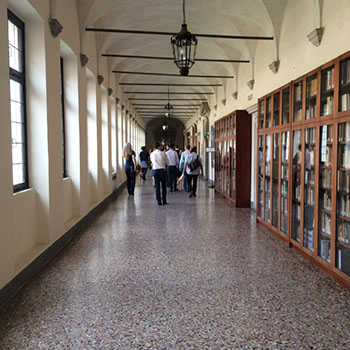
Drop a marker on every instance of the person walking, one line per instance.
(193, 167)
(130, 168)
(185, 153)
(144, 158)
(159, 162)
(173, 165)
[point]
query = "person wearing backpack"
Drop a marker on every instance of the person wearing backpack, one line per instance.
(193, 167)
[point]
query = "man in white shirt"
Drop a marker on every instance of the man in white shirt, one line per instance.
(182, 162)
(159, 162)
(173, 164)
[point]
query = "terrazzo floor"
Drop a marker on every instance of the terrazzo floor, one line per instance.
(194, 274)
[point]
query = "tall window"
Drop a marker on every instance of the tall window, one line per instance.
(63, 123)
(17, 101)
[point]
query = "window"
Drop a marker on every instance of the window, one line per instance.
(63, 121)
(17, 102)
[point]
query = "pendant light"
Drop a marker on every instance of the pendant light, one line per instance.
(168, 109)
(184, 47)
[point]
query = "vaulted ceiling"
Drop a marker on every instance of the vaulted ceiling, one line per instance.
(226, 17)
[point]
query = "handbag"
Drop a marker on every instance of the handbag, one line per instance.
(194, 165)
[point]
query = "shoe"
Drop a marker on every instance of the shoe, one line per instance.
(159, 203)
(175, 190)
(194, 195)
(165, 202)
(191, 195)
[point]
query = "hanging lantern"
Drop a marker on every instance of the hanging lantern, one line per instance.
(184, 47)
(168, 109)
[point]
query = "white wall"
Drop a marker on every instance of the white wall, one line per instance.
(34, 219)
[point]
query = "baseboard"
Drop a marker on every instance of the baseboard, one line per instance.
(18, 282)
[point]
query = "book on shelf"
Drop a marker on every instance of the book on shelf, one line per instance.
(326, 201)
(343, 180)
(346, 158)
(310, 136)
(312, 88)
(329, 79)
(345, 102)
(310, 112)
(326, 178)
(309, 239)
(328, 105)
(325, 247)
(310, 196)
(298, 91)
(344, 132)
(325, 223)
(344, 232)
(344, 205)
(297, 192)
(344, 260)
(345, 72)
(284, 188)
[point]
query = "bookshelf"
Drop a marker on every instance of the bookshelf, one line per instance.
(232, 149)
(303, 177)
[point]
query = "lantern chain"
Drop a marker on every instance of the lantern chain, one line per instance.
(184, 13)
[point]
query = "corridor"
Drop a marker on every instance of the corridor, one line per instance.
(195, 274)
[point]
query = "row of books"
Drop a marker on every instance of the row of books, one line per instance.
(284, 188)
(310, 177)
(284, 223)
(326, 155)
(345, 157)
(326, 178)
(328, 105)
(326, 201)
(297, 211)
(345, 102)
(311, 88)
(325, 224)
(343, 181)
(310, 136)
(344, 132)
(284, 205)
(344, 205)
(297, 115)
(284, 171)
(309, 196)
(309, 239)
(298, 88)
(345, 72)
(329, 79)
(297, 192)
(344, 232)
(310, 112)
(325, 249)
(344, 260)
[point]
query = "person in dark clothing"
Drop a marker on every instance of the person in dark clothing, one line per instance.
(144, 160)
(130, 168)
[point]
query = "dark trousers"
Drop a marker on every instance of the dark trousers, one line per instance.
(160, 178)
(186, 188)
(130, 178)
(144, 171)
(192, 182)
(172, 171)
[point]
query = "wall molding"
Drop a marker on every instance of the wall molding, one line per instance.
(38, 264)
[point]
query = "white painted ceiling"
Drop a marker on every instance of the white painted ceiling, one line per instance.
(226, 17)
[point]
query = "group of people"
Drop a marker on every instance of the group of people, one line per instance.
(168, 166)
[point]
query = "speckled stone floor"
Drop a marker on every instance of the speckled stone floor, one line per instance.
(195, 274)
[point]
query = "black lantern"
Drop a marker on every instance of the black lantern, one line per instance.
(168, 109)
(184, 47)
(165, 127)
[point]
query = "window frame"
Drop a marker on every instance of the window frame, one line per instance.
(63, 121)
(20, 77)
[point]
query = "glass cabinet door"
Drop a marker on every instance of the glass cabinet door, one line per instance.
(261, 114)
(284, 181)
(344, 88)
(275, 179)
(343, 199)
(276, 109)
(327, 90)
(311, 92)
(267, 177)
(298, 101)
(309, 187)
(233, 145)
(325, 192)
(268, 113)
(285, 106)
(260, 175)
(296, 185)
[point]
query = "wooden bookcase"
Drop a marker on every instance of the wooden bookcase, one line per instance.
(232, 157)
(303, 177)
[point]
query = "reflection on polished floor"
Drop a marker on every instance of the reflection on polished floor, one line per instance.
(195, 274)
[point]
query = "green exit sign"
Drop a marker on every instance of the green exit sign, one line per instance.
(205, 133)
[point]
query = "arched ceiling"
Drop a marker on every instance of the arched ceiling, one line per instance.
(225, 17)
